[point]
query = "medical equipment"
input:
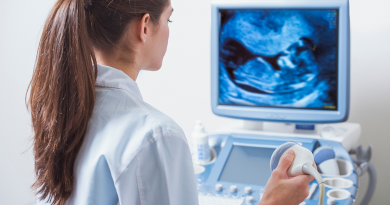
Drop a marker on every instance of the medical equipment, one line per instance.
(325, 160)
(281, 61)
(302, 164)
(200, 140)
(241, 170)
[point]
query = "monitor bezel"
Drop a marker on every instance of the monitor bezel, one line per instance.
(285, 114)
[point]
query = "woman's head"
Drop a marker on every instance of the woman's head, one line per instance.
(134, 31)
(62, 89)
(152, 40)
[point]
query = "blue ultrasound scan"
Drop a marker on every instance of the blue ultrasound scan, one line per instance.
(279, 58)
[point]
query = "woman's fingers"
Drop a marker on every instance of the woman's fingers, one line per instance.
(285, 162)
(303, 179)
(314, 165)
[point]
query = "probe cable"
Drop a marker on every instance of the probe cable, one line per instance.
(309, 169)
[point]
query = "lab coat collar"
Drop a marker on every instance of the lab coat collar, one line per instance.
(114, 78)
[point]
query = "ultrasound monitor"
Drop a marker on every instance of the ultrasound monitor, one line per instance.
(285, 61)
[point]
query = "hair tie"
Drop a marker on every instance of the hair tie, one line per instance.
(87, 4)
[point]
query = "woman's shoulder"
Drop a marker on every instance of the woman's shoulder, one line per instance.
(111, 104)
(121, 126)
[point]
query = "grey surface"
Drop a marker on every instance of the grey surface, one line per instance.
(248, 165)
(370, 88)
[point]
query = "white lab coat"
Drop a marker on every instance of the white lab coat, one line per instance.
(132, 154)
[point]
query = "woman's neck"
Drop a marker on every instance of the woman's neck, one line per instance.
(129, 67)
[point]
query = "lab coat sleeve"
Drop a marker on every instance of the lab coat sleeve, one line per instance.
(164, 173)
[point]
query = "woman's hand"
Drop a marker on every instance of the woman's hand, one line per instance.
(282, 190)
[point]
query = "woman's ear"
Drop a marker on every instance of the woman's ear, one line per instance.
(144, 27)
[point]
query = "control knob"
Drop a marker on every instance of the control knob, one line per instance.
(218, 187)
(249, 200)
(248, 190)
(233, 188)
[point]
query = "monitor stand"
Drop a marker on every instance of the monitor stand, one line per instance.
(346, 133)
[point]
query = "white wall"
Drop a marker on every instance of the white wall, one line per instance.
(370, 84)
(20, 26)
(181, 87)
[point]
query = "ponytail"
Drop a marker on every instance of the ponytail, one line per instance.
(62, 89)
(61, 98)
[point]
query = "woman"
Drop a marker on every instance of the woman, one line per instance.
(95, 140)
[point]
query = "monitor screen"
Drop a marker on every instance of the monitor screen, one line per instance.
(283, 58)
(248, 165)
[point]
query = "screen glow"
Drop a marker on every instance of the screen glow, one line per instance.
(284, 58)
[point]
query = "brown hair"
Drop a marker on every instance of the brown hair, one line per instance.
(62, 89)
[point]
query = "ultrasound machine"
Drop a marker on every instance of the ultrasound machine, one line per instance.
(283, 68)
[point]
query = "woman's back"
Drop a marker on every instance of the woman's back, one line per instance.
(132, 153)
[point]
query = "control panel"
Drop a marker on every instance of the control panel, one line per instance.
(241, 170)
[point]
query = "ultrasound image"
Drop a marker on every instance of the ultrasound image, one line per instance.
(278, 58)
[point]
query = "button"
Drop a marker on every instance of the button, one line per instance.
(199, 178)
(261, 191)
(218, 187)
(248, 190)
(233, 188)
(249, 200)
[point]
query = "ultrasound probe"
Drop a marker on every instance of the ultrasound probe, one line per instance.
(301, 164)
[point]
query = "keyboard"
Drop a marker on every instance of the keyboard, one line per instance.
(215, 200)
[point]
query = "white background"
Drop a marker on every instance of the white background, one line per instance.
(181, 89)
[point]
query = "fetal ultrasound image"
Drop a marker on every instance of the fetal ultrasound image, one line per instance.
(279, 58)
